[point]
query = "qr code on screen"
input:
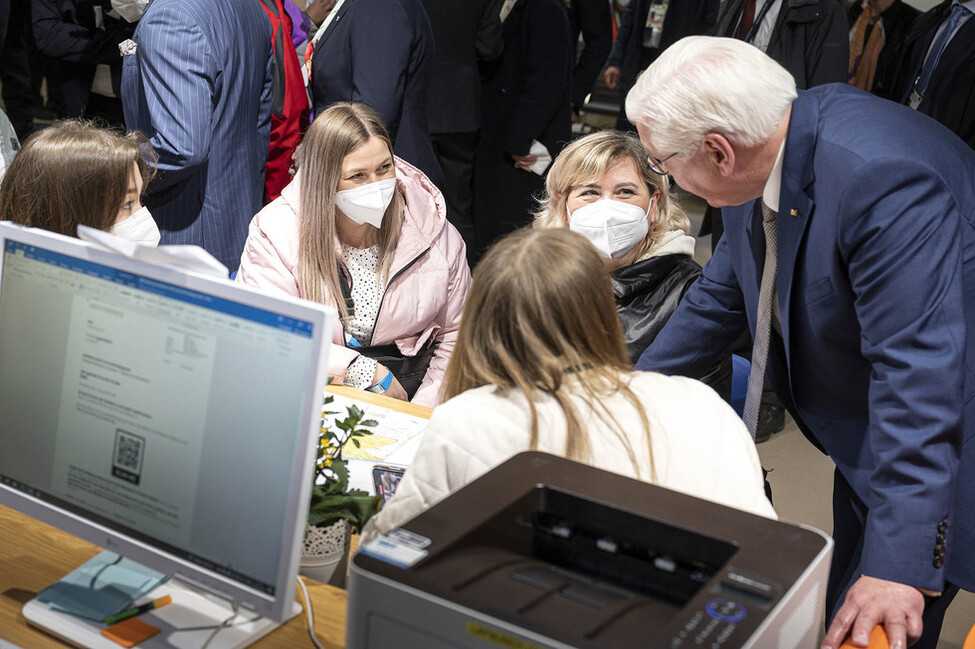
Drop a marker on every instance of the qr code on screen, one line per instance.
(129, 452)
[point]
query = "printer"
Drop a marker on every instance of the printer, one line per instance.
(544, 552)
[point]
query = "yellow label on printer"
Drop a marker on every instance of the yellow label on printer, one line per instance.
(499, 638)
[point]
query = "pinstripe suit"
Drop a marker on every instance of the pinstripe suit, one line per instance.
(199, 85)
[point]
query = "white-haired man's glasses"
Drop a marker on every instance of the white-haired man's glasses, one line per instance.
(657, 164)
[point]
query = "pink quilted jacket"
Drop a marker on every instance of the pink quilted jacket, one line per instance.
(429, 276)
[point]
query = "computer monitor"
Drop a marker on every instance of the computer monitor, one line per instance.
(166, 415)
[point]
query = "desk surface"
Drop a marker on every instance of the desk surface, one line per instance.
(34, 555)
(381, 400)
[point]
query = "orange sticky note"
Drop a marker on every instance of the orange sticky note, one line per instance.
(130, 632)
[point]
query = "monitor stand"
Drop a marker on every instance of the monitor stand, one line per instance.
(187, 623)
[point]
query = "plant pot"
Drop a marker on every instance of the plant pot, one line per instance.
(323, 550)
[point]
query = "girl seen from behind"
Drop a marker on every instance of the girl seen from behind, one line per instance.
(541, 364)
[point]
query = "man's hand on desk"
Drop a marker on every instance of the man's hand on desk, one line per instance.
(872, 601)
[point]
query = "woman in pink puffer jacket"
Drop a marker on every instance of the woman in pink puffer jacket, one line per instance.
(365, 232)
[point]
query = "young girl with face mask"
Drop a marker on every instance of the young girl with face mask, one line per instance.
(75, 173)
(365, 232)
(602, 187)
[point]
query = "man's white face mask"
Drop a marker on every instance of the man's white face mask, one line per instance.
(139, 228)
(130, 10)
(366, 203)
(614, 227)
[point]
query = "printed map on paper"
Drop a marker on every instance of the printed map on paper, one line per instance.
(395, 430)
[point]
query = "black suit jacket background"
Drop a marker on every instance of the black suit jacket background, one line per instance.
(684, 18)
(381, 52)
(65, 30)
(950, 97)
(463, 33)
(811, 39)
(594, 20)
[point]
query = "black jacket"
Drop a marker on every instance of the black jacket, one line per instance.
(594, 20)
(463, 34)
(525, 98)
(897, 18)
(685, 18)
(381, 52)
(4, 21)
(646, 295)
(811, 39)
(950, 97)
(526, 94)
(65, 30)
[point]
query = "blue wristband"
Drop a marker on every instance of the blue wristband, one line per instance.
(383, 385)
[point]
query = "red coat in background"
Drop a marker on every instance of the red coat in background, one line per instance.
(289, 101)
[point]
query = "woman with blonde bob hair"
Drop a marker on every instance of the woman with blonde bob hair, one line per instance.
(541, 365)
(75, 173)
(603, 187)
(365, 232)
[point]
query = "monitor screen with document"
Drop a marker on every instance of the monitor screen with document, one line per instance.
(160, 413)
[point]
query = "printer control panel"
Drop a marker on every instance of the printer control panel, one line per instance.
(738, 601)
(712, 627)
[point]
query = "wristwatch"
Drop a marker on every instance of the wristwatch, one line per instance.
(383, 385)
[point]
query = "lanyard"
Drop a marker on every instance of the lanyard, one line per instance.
(753, 30)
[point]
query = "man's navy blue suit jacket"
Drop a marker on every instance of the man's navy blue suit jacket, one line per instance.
(199, 87)
(876, 292)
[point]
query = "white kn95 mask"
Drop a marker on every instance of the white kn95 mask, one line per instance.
(614, 227)
(139, 228)
(366, 203)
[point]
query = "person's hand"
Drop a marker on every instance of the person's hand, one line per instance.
(611, 76)
(525, 162)
(395, 389)
(318, 10)
(871, 601)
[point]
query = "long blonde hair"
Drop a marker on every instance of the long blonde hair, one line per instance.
(73, 173)
(335, 133)
(587, 159)
(540, 317)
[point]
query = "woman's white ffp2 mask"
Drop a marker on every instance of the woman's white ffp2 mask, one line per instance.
(366, 203)
(614, 227)
(139, 228)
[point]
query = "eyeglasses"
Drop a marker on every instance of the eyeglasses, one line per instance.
(657, 164)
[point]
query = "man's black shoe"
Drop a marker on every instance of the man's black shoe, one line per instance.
(771, 419)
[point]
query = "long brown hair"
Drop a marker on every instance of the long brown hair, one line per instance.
(586, 160)
(73, 173)
(335, 133)
(540, 317)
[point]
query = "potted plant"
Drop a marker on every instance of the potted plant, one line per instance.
(335, 510)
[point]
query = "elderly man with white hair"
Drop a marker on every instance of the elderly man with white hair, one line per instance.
(850, 255)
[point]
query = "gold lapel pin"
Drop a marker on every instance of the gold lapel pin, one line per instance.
(793, 212)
